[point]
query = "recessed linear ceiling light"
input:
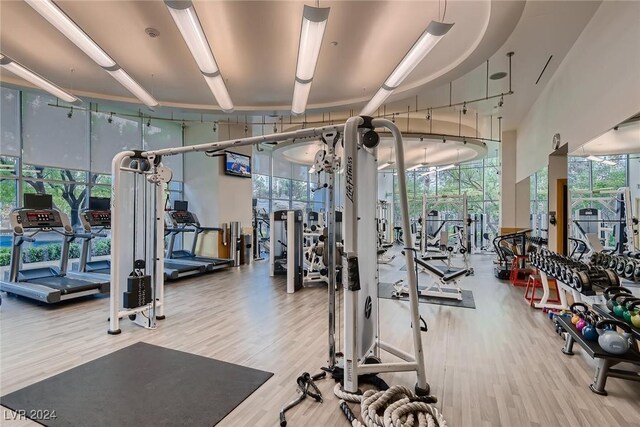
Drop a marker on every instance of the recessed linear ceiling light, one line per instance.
(37, 80)
(314, 23)
(427, 41)
(184, 15)
(52, 13)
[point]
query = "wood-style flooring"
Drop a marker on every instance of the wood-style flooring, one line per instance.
(498, 365)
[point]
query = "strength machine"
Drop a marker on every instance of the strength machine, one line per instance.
(285, 247)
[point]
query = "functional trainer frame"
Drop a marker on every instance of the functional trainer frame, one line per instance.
(360, 290)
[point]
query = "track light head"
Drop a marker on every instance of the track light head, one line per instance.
(444, 140)
(501, 102)
(149, 123)
(70, 113)
(464, 108)
(215, 126)
(110, 119)
(275, 128)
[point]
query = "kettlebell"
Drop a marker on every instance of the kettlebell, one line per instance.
(582, 322)
(634, 311)
(629, 304)
(618, 308)
(610, 340)
(577, 308)
(609, 292)
(589, 331)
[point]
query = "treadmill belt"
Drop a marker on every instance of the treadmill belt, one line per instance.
(181, 267)
(141, 385)
(66, 285)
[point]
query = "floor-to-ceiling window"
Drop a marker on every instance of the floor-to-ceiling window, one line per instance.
(539, 202)
(46, 147)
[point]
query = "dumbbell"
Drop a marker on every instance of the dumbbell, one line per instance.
(586, 280)
(631, 266)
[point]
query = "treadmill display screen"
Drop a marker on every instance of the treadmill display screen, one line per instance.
(99, 217)
(182, 217)
(39, 217)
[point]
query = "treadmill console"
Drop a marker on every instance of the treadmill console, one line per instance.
(95, 218)
(182, 218)
(44, 219)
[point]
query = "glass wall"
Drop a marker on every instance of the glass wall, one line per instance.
(585, 174)
(67, 153)
(279, 184)
(478, 179)
(539, 197)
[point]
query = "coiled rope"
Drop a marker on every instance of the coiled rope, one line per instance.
(402, 408)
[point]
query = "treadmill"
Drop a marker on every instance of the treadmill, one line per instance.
(180, 220)
(95, 221)
(46, 284)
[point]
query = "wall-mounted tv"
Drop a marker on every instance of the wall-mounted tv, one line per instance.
(237, 164)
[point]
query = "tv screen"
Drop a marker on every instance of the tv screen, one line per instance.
(180, 205)
(237, 164)
(99, 203)
(38, 201)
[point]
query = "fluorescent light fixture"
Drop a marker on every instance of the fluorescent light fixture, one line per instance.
(419, 165)
(219, 90)
(36, 79)
(52, 13)
(184, 15)
(444, 168)
(384, 165)
(420, 49)
(314, 23)
(601, 160)
(300, 97)
(433, 170)
(127, 81)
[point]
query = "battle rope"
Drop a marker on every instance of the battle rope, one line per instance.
(401, 408)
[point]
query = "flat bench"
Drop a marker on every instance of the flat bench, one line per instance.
(446, 274)
(605, 360)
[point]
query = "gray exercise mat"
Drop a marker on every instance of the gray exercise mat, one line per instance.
(385, 290)
(141, 385)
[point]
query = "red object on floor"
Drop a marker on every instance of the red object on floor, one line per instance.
(535, 282)
(519, 276)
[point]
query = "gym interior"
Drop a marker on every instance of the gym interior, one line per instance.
(329, 213)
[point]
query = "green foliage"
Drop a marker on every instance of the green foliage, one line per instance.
(5, 257)
(74, 250)
(54, 251)
(101, 247)
(33, 254)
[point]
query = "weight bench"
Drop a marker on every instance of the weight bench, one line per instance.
(445, 284)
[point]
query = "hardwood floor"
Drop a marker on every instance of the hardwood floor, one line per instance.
(497, 365)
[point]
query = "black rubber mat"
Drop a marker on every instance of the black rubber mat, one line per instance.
(385, 290)
(140, 385)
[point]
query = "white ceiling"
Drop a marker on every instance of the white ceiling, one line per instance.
(255, 44)
(624, 140)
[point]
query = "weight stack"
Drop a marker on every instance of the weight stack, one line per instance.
(138, 292)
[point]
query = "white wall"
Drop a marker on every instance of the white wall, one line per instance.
(508, 179)
(595, 87)
(215, 197)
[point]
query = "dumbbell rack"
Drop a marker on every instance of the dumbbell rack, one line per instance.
(588, 297)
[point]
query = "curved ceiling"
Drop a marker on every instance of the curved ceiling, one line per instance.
(255, 44)
(437, 153)
(624, 140)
